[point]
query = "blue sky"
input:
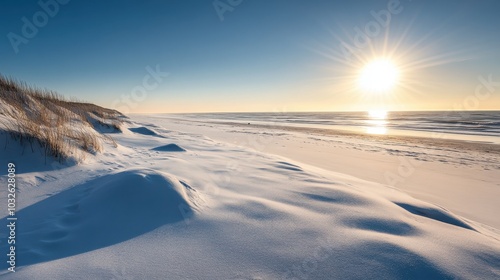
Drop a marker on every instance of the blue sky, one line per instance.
(264, 55)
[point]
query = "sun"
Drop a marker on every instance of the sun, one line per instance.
(379, 76)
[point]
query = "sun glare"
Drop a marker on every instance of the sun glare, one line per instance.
(377, 114)
(379, 76)
(377, 122)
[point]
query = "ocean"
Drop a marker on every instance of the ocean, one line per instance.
(481, 126)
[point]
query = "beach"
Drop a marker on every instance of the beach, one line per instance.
(460, 175)
(180, 199)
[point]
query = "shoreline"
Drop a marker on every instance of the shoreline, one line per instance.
(476, 146)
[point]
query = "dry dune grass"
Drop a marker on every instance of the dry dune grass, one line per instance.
(62, 128)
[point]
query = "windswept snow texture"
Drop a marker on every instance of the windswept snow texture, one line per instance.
(227, 212)
(436, 214)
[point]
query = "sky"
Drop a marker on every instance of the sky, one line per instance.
(161, 56)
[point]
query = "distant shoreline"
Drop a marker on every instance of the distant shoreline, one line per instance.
(469, 126)
(463, 145)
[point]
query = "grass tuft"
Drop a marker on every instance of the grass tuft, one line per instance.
(61, 127)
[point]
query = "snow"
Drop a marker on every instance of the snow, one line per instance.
(463, 177)
(144, 131)
(225, 211)
(110, 209)
(169, 148)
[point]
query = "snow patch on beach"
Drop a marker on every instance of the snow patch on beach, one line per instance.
(169, 148)
(144, 131)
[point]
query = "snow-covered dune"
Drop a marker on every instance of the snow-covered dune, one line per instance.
(99, 213)
(219, 211)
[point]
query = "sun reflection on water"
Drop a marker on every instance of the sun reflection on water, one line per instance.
(377, 122)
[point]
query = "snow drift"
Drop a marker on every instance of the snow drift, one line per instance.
(100, 213)
(144, 131)
(169, 148)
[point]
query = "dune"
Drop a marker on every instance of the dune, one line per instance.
(53, 125)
